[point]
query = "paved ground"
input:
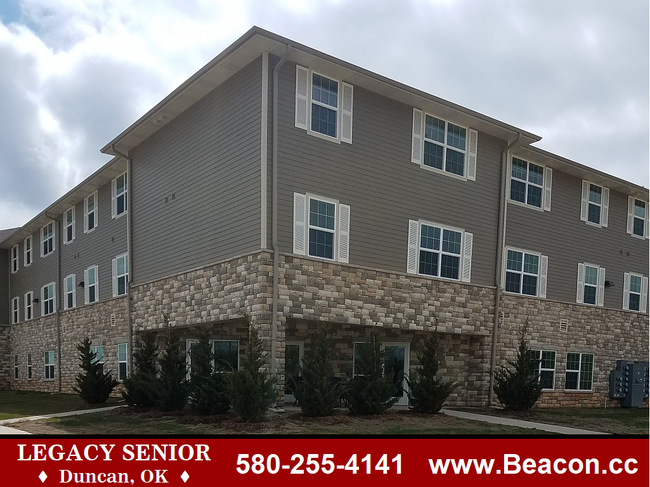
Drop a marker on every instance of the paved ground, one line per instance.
(547, 428)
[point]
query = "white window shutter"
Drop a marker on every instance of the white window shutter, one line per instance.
(472, 155)
(601, 287)
(644, 295)
(299, 223)
(412, 255)
(346, 113)
(646, 229)
(584, 203)
(416, 147)
(548, 183)
(86, 215)
(302, 97)
(604, 217)
(504, 267)
(626, 291)
(86, 293)
(630, 214)
(344, 233)
(543, 273)
(113, 189)
(42, 301)
(74, 222)
(468, 242)
(40, 243)
(114, 266)
(580, 295)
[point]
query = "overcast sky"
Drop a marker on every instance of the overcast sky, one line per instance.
(75, 73)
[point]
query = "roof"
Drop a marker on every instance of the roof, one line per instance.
(5, 234)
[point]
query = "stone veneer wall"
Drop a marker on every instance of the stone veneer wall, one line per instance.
(608, 334)
(36, 337)
(6, 367)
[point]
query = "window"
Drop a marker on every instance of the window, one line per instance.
(14, 259)
(90, 212)
(99, 354)
(48, 373)
(591, 285)
(579, 371)
(525, 273)
(122, 361)
(15, 366)
(119, 195)
(443, 146)
(29, 365)
(321, 227)
(120, 274)
(530, 184)
(91, 286)
(47, 239)
(435, 250)
(15, 303)
(48, 304)
(594, 208)
(226, 355)
(635, 292)
(545, 368)
(69, 290)
(323, 106)
(27, 245)
(69, 226)
(637, 217)
(29, 299)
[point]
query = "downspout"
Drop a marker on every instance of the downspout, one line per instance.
(59, 301)
(129, 204)
(274, 214)
(501, 236)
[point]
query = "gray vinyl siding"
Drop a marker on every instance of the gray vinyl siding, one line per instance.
(98, 247)
(196, 183)
(567, 240)
(375, 176)
(5, 299)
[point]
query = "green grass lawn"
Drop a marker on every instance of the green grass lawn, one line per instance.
(16, 404)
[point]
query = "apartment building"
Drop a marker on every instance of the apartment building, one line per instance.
(289, 188)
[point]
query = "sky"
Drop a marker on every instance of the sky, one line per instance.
(76, 73)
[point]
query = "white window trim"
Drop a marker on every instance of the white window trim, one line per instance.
(585, 202)
(28, 252)
(116, 277)
(53, 237)
(29, 366)
(94, 348)
(600, 286)
(15, 261)
(15, 310)
(542, 369)
(547, 185)
(66, 292)
(126, 361)
(304, 104)
(213, 341)
(542, 275)
(631, 217)
(29, 306)
(579, 371)
(114, 196)
(643, 295)
(46, 364)
(95, 212)
(53, 298)
(87, 285)
(66, 225)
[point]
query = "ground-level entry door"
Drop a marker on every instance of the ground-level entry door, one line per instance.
(397, 364)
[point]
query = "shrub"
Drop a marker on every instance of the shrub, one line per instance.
(208, 390)
(250, 390)
(427, 394)
(140, 387)
(171, 385)
(93, 385)
(371, 390)
(317, 394)
(519, 388)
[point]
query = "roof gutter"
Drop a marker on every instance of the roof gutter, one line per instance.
(501, 237)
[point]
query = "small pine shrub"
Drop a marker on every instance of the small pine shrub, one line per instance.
(93, 385)
(427, 393)
(317, 395)
(519, 388)
(171, 386)
(140, 387)
(208, 390)
(250, 389)
(371, 390)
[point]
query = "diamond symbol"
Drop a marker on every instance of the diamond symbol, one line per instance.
(42, 476)
(185, 476)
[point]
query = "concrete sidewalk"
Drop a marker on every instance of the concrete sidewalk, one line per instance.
(6, 430)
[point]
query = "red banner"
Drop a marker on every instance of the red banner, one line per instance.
(28, 461)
